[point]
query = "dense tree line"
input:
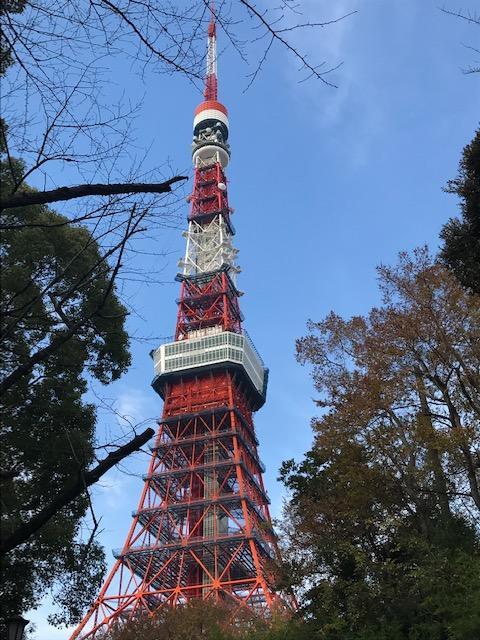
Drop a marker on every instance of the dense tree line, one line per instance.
(61, 321)
(383, 521)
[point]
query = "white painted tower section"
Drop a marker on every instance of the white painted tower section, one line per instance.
(209, 248)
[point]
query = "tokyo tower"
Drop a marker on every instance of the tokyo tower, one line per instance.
(202, 528)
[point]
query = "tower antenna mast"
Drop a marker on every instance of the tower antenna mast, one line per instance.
(211, 82)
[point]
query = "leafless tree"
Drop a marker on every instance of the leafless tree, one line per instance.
(58, 117)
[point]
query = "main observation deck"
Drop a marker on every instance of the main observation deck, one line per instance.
(207, 349)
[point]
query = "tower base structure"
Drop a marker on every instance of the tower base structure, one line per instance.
(202, 528)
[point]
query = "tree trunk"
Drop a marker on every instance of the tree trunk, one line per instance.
(440, 483)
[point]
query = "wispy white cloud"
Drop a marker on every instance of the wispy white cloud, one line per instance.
(360, 109)
(132, 409)
(134, 406)
(112, 489)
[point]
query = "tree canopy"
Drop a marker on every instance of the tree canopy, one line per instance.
(208, 620)
(62, 322)
(382, 528)
(461, 236)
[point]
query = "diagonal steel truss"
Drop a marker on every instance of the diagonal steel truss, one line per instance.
(202, 527)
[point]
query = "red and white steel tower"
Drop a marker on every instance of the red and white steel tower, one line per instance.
(202, 528)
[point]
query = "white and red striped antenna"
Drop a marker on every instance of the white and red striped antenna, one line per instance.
(210, 122)
(211, 82)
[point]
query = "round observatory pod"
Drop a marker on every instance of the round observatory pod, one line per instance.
(210, 134)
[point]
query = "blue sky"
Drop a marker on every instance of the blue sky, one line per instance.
(326, 184)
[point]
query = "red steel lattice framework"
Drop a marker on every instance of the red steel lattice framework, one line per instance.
(202, 528)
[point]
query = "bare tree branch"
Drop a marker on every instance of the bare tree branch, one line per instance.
(276, 35)
(28, 198)
(463, 15)
(85, 479)
(471, 18)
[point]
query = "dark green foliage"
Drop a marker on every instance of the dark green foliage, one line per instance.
(197, 620)
(461, 237)
(6, 54)
(204, 620)
(373, 575)
(53, 279)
